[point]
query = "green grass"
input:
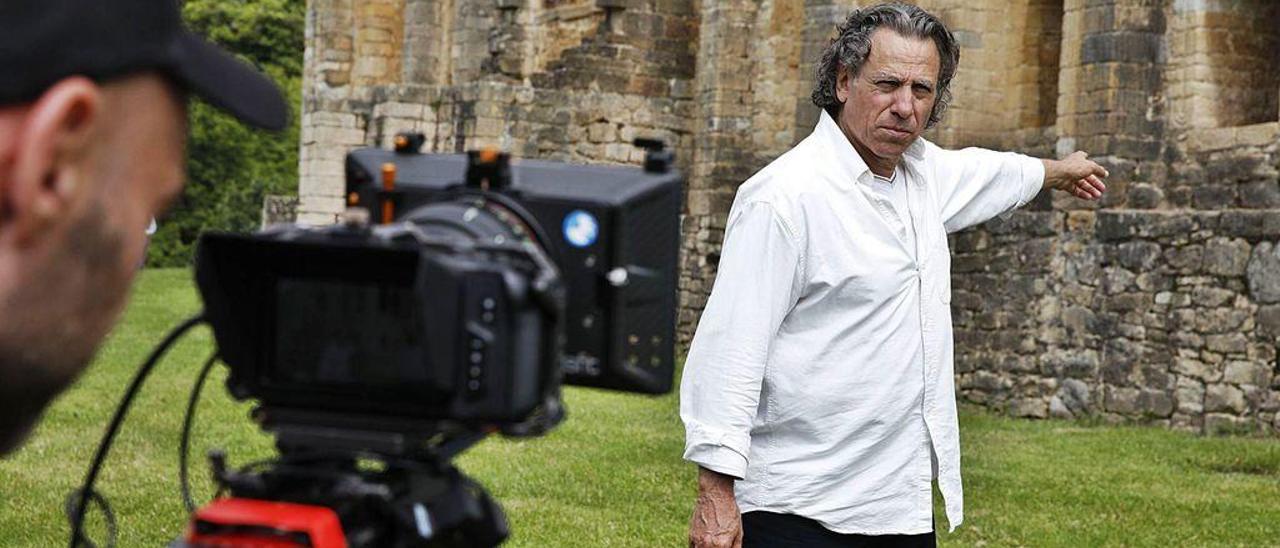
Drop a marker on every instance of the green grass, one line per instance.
(612, 476)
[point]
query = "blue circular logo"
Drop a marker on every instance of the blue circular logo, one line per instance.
(581, 228)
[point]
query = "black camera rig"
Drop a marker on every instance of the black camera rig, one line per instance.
(457, 295)
(452, 301)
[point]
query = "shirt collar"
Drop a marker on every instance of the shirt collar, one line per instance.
(847, 159)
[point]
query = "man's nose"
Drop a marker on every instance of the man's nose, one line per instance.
(902, 106)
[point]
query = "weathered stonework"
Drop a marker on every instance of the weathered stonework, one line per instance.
(568, 80)
(1160, 304)
(279, 209)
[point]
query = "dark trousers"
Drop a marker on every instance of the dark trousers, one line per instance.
(770, 530)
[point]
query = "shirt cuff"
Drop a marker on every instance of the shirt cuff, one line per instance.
(1032, 178)
(718, 458)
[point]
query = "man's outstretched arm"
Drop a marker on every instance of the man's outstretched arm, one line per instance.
(976, 185)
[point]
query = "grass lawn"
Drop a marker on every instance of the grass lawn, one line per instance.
(612, 475)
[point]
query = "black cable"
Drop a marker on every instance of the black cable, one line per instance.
(86, 490)
(185, 444)
(73, 498)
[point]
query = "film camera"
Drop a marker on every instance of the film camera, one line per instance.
(456, 296)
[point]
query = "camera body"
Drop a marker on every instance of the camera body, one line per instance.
(612, 231)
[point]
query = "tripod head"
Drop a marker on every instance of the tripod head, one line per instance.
(372, 500)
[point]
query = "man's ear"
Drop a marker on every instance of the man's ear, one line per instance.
(43, 177)
(842, 84)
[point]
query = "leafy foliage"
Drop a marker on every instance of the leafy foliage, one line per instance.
(230, 167)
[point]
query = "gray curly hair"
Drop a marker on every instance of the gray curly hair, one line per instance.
(852, 45)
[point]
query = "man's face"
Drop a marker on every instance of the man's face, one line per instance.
(887, 104)
(69, 280)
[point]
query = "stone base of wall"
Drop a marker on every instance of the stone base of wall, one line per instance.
(279, 209)
(1168, 317)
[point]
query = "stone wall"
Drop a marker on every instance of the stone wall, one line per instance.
(567, 80)
(1160, 304)
(1167, 316)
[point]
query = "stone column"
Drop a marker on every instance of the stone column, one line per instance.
(821, 17)
(352, 48)
(327, 129)
(379, 42)
(1222, 63)
(1112, 351)
(983, 85)
(428, 26)
(722, 154)
(473, 21)
(1111, 86)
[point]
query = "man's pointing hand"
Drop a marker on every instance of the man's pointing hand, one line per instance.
(1076, 174)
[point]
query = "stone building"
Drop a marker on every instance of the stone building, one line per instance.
(1160, 304)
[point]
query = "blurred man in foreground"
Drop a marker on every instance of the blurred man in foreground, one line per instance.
(92, 137)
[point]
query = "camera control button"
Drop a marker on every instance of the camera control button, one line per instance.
(617, 277)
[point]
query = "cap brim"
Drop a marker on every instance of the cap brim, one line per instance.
(228, 83)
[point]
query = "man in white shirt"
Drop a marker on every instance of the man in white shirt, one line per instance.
(818, 395)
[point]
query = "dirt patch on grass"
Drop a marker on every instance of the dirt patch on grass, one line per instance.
(1257, 466)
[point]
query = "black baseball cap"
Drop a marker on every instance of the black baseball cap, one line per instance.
(44, 41)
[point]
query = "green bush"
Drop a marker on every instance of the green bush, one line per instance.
(230, 167)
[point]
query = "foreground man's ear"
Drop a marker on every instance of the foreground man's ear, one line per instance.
(46, 156)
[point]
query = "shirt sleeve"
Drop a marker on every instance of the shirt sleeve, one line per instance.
(757, 284)
(976, 185)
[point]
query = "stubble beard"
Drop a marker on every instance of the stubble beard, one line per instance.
(53, 325)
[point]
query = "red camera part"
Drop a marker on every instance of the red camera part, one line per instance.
(250, 523)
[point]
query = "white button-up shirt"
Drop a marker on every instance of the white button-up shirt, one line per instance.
(890, 198)
(821, 372)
